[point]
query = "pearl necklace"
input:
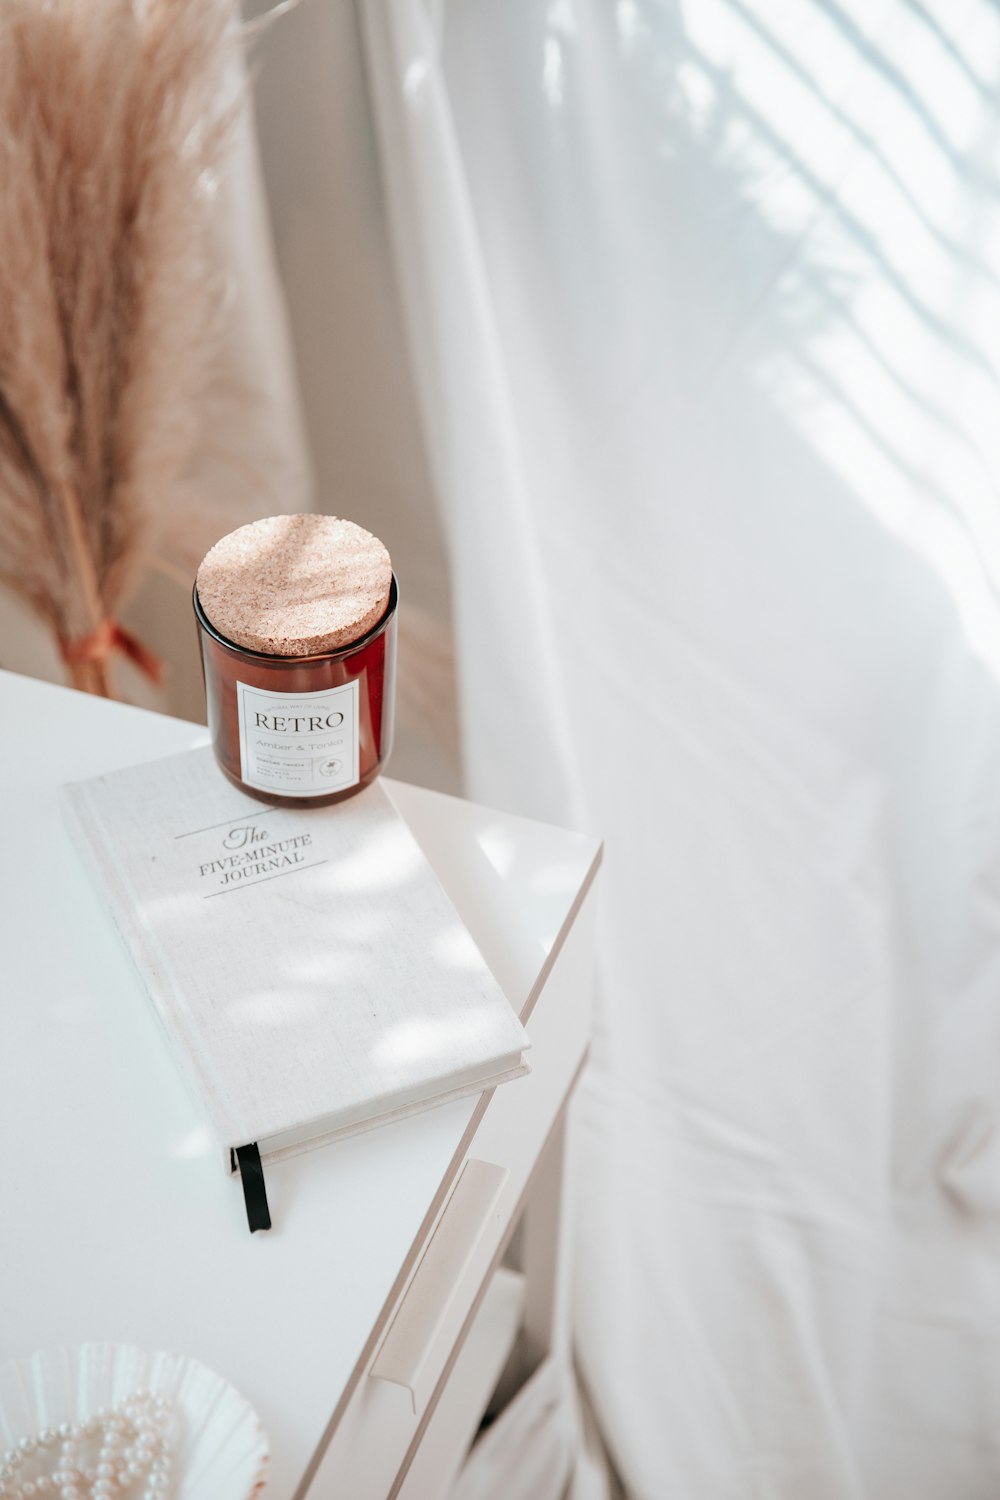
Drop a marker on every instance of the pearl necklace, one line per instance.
(120, 1454)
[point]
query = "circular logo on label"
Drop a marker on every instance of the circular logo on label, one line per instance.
(331, 767)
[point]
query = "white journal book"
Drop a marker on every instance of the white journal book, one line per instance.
(310, 972)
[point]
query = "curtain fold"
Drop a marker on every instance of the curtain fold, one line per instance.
(511, 685)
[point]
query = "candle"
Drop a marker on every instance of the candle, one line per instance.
(297, 625)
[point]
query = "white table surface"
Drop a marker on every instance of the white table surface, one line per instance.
(116, 1220)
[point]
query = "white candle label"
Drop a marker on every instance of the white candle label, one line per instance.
(299, 744)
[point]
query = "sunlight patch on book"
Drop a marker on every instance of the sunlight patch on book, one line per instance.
(331, 968)
(412, 1041)
(388, 858)
(455, 949)
(281, 1008)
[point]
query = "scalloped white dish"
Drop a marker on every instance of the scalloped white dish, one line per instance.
(221, 1450)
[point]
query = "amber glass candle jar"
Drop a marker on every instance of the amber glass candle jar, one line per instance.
(297, 625)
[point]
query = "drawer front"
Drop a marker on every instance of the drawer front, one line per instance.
(457, 1256)
(384, 1415)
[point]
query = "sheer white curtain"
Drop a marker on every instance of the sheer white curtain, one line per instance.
(704, 308)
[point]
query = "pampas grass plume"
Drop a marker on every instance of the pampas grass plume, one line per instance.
(111, 121)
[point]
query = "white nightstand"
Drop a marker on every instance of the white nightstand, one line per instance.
(369, 1326)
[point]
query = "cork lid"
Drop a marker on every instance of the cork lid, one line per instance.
(295, 585)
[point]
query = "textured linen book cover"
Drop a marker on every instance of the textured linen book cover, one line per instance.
(307, 965)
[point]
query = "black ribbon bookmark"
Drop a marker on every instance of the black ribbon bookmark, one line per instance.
(254, 1191)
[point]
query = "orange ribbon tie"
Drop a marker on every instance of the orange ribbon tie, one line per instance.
(108, 637)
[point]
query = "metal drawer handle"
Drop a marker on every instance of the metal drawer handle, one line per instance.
(433, 1307)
